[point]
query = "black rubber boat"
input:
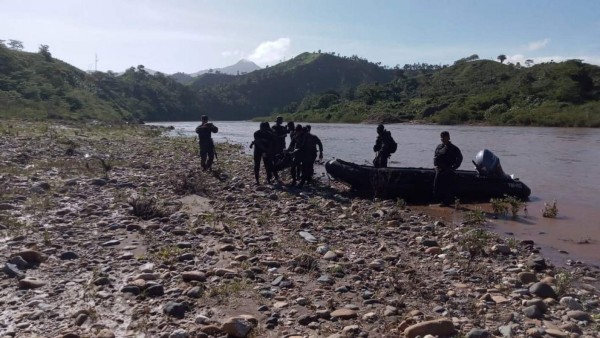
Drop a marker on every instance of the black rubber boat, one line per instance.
(416, 184)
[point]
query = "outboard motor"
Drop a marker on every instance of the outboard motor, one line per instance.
(488, 164)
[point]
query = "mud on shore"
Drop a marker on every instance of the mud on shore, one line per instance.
(114, 231)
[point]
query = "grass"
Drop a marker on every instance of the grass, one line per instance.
(146, 207)
(501, 206)
(475, 217)
(228, 290)
(191, 182)
(550, 210)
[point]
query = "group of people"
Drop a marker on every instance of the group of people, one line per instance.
(270, 148)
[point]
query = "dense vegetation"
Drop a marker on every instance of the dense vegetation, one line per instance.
(317, 87)
(38, 86)
(478, 91)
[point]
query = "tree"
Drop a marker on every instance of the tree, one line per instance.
(529, 62)
(45, 52)
(2, 43)
(15, 44)
(501, 58)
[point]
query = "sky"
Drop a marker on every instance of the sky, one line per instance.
(192, 35)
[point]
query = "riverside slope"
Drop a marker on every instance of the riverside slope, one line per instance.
(112, 231)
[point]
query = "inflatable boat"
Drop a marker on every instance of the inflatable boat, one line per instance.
(416, 184)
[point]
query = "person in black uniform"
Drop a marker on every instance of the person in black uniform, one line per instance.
(205, 142)
(264, 145)
(280, 132)
(384, 145)
(312, 142)
(446, 160)
(295, 148)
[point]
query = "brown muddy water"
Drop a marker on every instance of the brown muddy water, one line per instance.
(561, 164)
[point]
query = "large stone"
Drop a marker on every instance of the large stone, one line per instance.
(330, 256)
(479, 333)
(437, 327)
(526, 277)
(571, 303)
(32, 257)
(13, 271)
(175, 309)
(343, 314)
(189, 276)
(68, 255)
(579, 315)
(307, 236)
(29, 283)
(105, 333)
(237, 327)
(179, 333)
(556, 333)
(542, 290)
(532, 311)
(537, 263)
(155, 290)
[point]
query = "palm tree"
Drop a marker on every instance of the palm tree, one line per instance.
(501, 57)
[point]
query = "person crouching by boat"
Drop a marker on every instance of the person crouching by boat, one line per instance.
(384, 147)
(447, 159)
(264, 145)
(309, 154)
(295, 149)
(205, 142)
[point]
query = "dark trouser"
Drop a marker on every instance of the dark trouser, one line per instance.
(268, 163)
(207, 155)
(296, 168)
(308, 168)
(443, 185)
(381, 159)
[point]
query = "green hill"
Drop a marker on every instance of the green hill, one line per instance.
(284, 86)
(38, 86)
(485, 92)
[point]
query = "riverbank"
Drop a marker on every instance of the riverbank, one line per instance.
(113, 232)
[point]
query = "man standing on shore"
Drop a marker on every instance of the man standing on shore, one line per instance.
(205, 142)
(384, 147)
(446, 160)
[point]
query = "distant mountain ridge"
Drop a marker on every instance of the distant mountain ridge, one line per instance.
(240, 68)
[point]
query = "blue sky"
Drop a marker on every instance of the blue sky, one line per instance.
(191, 35)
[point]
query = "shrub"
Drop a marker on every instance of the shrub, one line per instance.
(146, 207)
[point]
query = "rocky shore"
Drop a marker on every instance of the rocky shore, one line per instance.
(113, 231)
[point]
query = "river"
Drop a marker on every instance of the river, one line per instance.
(561, 164)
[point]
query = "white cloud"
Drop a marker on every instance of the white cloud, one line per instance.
(535, 45)
(270, 51)
(228, 53)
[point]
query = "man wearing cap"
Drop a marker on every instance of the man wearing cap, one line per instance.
(205, 142)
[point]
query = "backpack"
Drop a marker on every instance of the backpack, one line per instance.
(393, 146)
